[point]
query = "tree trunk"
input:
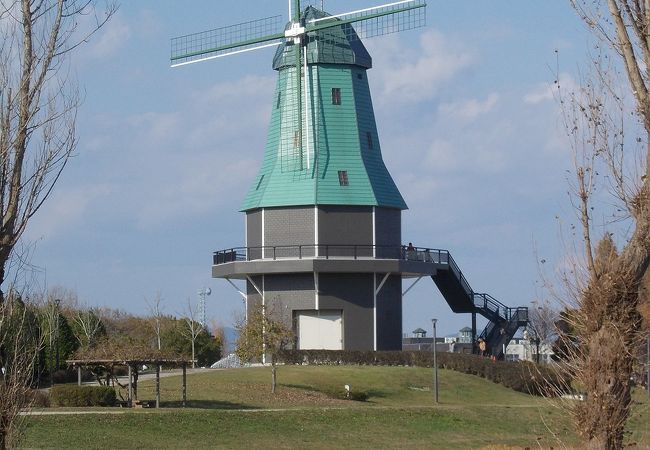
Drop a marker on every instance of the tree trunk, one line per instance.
(609, 331)
(3, 434)
(273, 378)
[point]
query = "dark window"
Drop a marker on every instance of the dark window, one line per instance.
(369, 136)
(343, 177)
(360, 76)
(336, 96)
(279, 100)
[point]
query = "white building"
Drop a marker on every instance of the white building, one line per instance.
(520, 349)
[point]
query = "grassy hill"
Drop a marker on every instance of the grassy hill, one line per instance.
(235, 409)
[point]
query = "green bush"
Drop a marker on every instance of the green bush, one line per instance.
(38, 399)
(80, 396)
(523, 377)
(354, 395)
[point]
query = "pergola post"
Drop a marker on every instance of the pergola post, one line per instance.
(184, 384)
(79, 375)
(157, 385)
(130, 400)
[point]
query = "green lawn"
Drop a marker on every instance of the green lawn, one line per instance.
(230, 408)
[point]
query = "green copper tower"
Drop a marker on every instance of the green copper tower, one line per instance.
(340, 161)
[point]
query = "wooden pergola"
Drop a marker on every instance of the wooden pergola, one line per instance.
(133, 365)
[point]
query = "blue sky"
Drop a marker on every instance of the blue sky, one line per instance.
(468, 128)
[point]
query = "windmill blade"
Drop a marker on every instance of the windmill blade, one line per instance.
(377, 20)
(230, 40)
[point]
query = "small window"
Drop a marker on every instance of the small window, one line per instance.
(343, 178)
(277, 106)
(336, 96)
(296, 139)
(369, 136)
(360, 76)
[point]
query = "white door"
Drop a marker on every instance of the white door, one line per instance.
(320, 330)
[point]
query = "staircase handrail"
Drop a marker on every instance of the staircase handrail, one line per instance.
(458, 273)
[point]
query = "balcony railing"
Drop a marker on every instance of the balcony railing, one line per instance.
(327, 251)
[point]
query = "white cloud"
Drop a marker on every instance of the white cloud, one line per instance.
(156, 128)
(65, 209)
(417, 75)
(470, 109)
(441, 155)
(546, 91)
(201, 185)
(248, 86)
(112, 38)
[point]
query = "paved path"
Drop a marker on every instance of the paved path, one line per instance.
(46, 412)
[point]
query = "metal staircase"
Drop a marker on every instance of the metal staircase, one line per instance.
(454, 287)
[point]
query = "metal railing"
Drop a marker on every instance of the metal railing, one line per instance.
(329, 251)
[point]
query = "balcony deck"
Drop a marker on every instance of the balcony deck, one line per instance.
(237, 263)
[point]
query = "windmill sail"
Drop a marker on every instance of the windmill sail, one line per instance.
(377, 20)
(228, 40)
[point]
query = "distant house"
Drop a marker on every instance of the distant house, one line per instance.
(520, 349)
(459, 343)
(465, 336)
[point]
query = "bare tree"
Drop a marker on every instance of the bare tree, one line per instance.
(192, 327)
(219, 334)
(541, 325)
(20, 342)
(157, 316)
(38, 103)
(259, 336)
(611, 148)
(89, 326)
(38, 106)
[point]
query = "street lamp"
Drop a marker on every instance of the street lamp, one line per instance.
(56, 335)
(435, 363)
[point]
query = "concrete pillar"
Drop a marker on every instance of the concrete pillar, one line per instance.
(79, 375)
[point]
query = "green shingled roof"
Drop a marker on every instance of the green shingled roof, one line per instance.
(342, 165)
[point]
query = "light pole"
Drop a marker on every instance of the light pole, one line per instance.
(58, 306)
(435, 363)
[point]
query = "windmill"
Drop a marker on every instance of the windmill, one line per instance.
(323, 215)
(297, 35)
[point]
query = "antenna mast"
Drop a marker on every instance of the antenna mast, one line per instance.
(202, 308)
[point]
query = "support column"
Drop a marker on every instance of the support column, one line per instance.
(474, 349)
(130, 398)
(79, 375)
(184, 384)
(157, 385)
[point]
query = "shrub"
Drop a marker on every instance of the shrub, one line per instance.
(38, 398)
(80, 396)
(340, 394)
(523, 377)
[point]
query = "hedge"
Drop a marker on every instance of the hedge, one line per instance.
(72, 395)
(520, 376)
